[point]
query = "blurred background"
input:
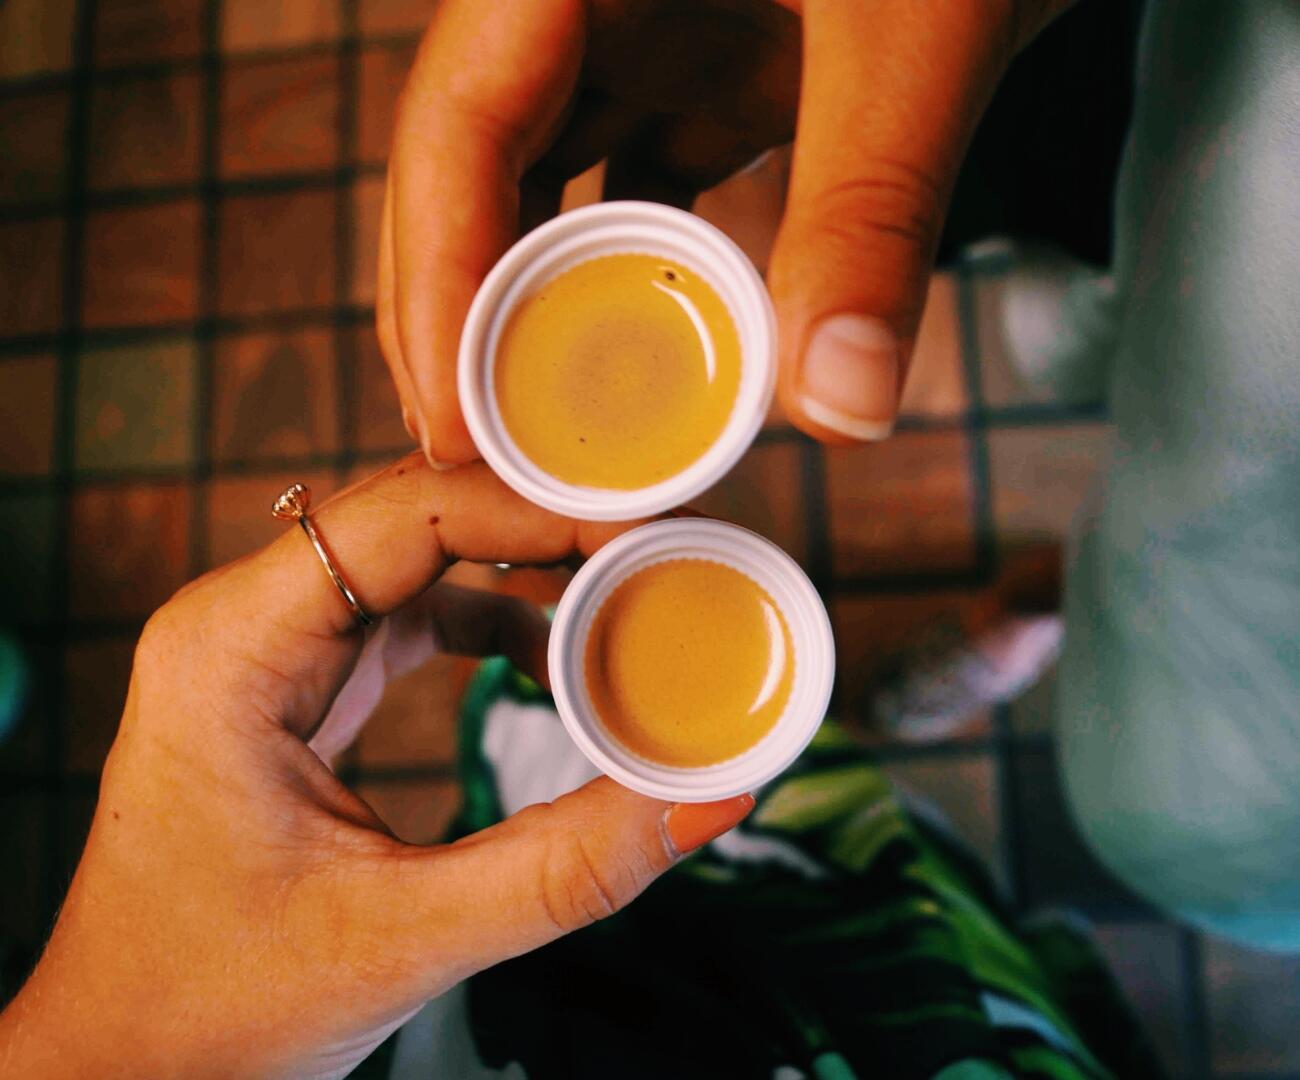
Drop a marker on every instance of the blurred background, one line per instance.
(190, 194)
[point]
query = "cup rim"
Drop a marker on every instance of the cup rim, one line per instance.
(603, 229)
(766, 564)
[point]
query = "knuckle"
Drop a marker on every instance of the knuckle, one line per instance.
(579, 887)
(891, 201)
(183, 629)
(573, 892)
(157, 646)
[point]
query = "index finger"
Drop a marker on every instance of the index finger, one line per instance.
(393, 535)
(489, 86)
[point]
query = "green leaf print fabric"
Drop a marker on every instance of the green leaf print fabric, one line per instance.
(833, 936)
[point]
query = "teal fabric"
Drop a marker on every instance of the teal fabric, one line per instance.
(14, 683)
(1179, 732)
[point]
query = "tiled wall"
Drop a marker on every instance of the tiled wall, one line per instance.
(189, 204)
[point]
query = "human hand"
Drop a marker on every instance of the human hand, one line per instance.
(237, 910)
(508, 101)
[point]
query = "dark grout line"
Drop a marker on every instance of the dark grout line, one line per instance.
(56, 855)
(235, 467)
(215, 187)
(60, 80)
(819, 563)
(1005, 755)
(1008, 810)
(974, 423)
(104, 337)
(209, 239)
(345, 237)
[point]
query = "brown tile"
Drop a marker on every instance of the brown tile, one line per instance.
(936, 383)
(872, 631)
(96, 675)
(239, 519)
(367, 212)
(1145, 959)
(383, 72)
(274, 395)
(1040, 476)
(377, 414)
(28, 405)
(135, 406)
(145, 131)
(33, 146)
(36, 36)
(255, 24)
(748, 206)
(141, 265)
(1254, 1002)
(415, 723)
(31, 282)
(360, 471)
(965, 790)
(379, 17)
(137, 31)
(764, 493)
(28, 524)
(279, 115)
(129, 549)
(419, 812)
(276, 252)
(24, 849)
(901, 506)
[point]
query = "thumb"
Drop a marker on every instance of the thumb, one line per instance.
(551, 869)
(890, 96)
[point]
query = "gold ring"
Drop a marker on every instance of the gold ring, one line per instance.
(292, 506)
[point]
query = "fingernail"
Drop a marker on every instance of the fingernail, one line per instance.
(849, 378)
(689, 825)
(408, 418)
(434, 463)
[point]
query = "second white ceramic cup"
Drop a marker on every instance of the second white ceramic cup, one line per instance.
(764, 563)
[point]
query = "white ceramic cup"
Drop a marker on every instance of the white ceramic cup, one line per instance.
(573, 238)
(761, 561)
